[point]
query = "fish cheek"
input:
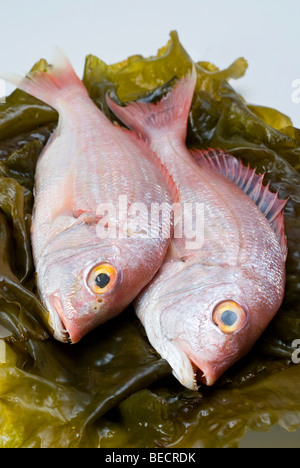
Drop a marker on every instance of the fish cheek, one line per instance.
(142, 263)
(237, 345)
(218, 348)
(96, 306)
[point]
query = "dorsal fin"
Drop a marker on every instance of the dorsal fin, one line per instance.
(251, 183)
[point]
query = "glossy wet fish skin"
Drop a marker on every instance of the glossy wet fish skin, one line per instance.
(88, 162)
(241, 261)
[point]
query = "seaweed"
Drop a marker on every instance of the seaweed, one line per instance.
(112, 389)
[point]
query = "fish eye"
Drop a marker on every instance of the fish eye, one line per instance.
(103, 278)
(229, 317)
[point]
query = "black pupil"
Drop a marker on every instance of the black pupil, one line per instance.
(229, 318)
(102, 280)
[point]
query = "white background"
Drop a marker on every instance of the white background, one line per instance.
(265, 32)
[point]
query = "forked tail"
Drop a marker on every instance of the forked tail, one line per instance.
(170, 114)
(51, 86)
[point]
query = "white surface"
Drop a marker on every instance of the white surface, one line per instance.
(265, 32)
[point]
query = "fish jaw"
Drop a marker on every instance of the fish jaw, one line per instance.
(77, 321)
(71, 319)
(149, 312)
(74, 317)
(205, 373)
(68, 328)
(185, 372)
(55, 321)
(183, 368)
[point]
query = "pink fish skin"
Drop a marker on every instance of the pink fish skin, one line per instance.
(84, 280)
(206, 307)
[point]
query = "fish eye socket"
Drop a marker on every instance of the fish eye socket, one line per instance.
(103, 278)
(229, 317)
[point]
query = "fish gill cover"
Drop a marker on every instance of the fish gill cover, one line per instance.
(112, 389)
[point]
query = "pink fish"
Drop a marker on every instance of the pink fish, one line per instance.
(85, 278)
(207, 306)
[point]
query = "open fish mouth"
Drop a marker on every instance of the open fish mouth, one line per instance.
(199, 375)
(63, 335)
(194, 372)
(205, 374)
(183, 368)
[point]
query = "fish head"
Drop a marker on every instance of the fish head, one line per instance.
(85, 287)
(212, 318)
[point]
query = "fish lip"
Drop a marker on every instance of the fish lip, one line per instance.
(185, 373)
(204, 374)
(61, 332)
(201, 376)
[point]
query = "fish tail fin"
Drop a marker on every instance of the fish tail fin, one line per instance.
(170, 113)
(252, 184)
(50, 85)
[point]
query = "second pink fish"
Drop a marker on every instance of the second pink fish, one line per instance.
(209, 303)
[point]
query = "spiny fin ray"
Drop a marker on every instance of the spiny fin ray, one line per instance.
(251, 183)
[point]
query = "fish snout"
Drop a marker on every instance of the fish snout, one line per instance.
(205, 373)
(71, 325)
(64, 326)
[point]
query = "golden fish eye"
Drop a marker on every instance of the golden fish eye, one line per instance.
(103, 278)
(229, 317)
